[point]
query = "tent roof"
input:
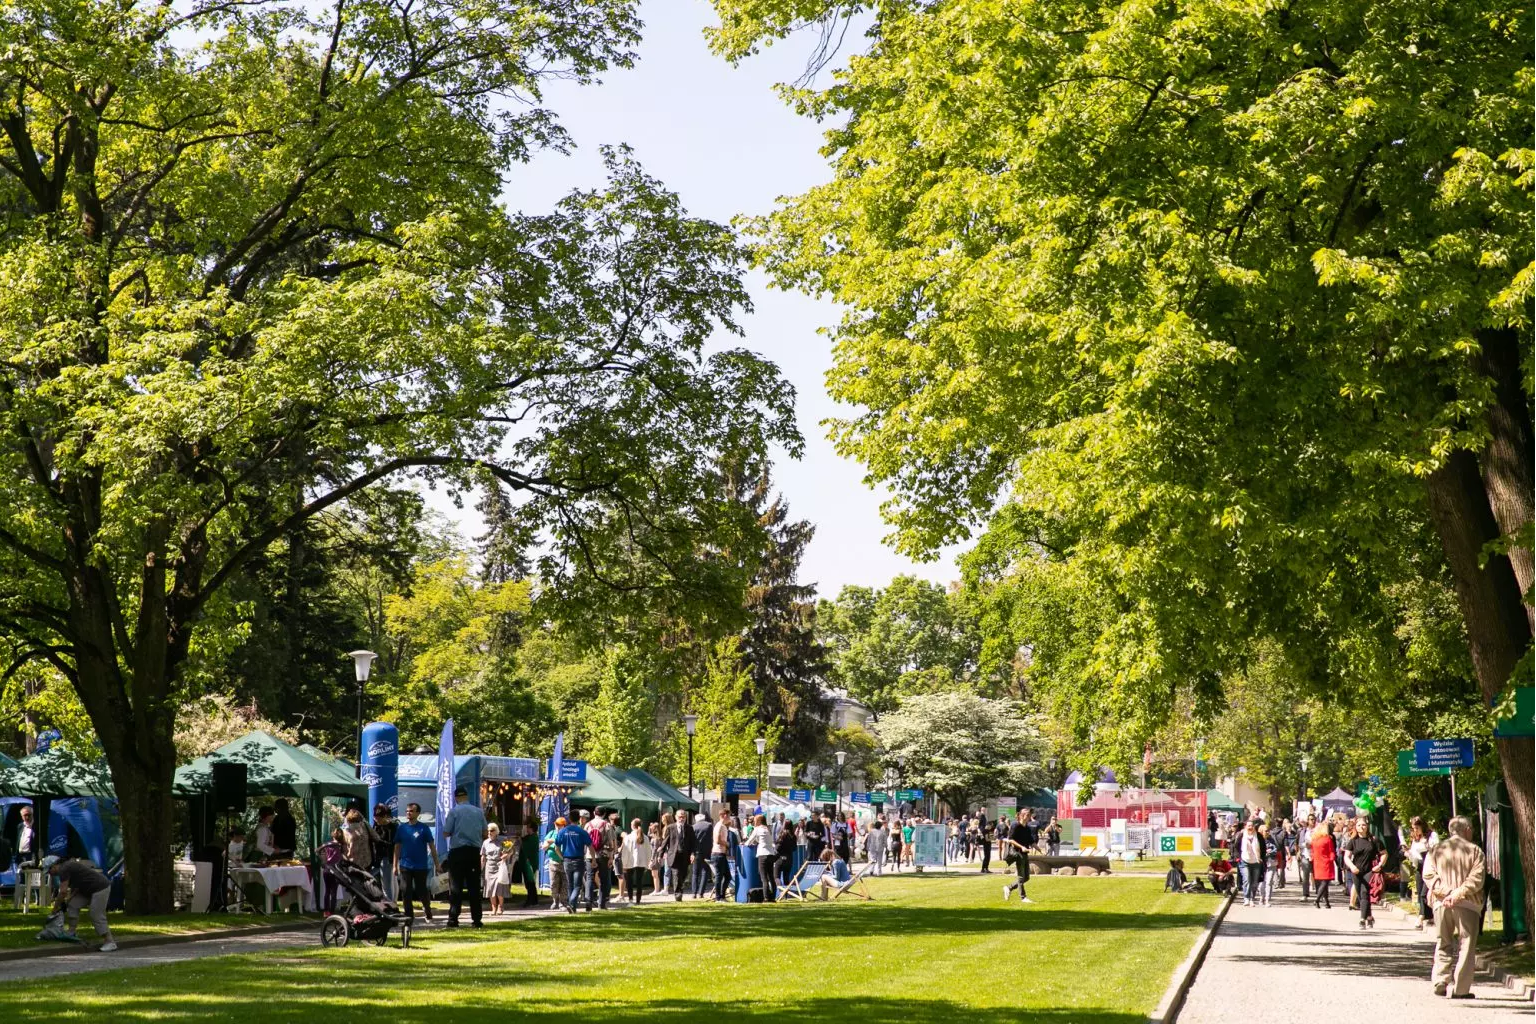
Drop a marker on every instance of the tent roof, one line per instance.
(6, 760)
(628, 789)
(662, 792)
(1038, 798)
(1216, 800)
(1339, 794)
(273, 768)
(57, 772)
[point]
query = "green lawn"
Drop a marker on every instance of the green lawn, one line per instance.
(1090, 951)
(19, 931)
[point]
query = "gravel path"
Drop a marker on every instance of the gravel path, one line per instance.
(1289, 962)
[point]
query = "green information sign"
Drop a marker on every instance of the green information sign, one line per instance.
(1523, 721)
(826, 796)
(878, 798)
(1406, 770)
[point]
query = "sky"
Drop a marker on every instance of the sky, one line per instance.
(721, 139)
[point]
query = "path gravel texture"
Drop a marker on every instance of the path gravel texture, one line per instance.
(1288, 962)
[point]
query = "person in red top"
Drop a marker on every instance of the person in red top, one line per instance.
(1222, 872)
(1322, 864)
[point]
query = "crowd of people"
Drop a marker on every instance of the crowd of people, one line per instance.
(1448, 877)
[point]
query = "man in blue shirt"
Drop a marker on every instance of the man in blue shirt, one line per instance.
(414, 854)
(465, 829)
(573, 841)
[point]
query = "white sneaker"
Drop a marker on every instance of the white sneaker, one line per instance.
(1025, 899)
(108, 947)
(1247, 903)
(1006, 893)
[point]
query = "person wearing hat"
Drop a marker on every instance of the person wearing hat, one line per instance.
(84, 886)
(573, 842)
(558, 893)
(465, 828)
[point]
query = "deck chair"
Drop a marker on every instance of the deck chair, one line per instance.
(805, 880)
(855, 885)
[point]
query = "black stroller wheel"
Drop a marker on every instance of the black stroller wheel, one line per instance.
(405, 935)
(381, 938)
(333, 931)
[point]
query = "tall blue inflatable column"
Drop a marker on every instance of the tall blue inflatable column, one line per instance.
(381, 765)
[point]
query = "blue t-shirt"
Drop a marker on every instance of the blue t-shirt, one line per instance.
(413, 840)
(572, 841)
(464, 826)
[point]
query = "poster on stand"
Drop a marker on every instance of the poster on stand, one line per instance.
(928, 846)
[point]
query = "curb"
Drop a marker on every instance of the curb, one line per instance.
(1184, 978)
(1501, 976)
(65, 948)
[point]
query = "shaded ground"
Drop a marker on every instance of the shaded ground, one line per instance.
(1290, 962)
(952, 942)
(19, 931)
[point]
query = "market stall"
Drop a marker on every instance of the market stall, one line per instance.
(74, 807)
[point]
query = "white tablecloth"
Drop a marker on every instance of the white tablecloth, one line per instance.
(273, 879)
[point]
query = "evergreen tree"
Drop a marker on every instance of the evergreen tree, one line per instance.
(785, 660)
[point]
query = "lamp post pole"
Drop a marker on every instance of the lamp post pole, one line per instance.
(762, 745)
(842, 756)
(362, 664)
(690, 725)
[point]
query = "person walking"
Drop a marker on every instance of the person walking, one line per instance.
(816, 831)
(415, 853)
(1363, 856)
(1421, 841)
(635, 859)
(604, 851)
(1250, 862)
(1053, 837)
(657, 865)
(356, 838)
(559, 895)
(678, 840)
(720, 854)
(464, 826)
(896, 845)
(573, 842)
(1304, 855)
(984, 838)
(1456, 872)
(1021, 839)
(1274, 858)
(1322, 864)
(784, 855)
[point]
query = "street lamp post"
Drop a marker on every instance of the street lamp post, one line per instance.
(762, 745)
(690, 725)
(842, 756)
(362, 664)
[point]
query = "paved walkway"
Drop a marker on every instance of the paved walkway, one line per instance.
(1288, 962)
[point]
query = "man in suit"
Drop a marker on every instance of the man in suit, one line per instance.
(702, 833)
(677, 846)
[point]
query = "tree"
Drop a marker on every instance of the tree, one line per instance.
(1241, 297)
(206, 725)
(251, 264)
(909, 637)
(863, 760)
(449, 665)
(779, 644)
(962, 746)
(623, 717)
(728, 723)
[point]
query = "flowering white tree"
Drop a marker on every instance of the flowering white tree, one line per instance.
(963, 746)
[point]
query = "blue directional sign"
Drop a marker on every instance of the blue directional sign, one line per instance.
(859, 798)
(571, 770)
(740, 787)
(800, 796)
(1442, 753)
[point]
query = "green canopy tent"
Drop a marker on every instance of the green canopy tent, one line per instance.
(1216, 800)
(6, 760)
(275, 768)
(68, 792)
(630, 791)
(57, 772)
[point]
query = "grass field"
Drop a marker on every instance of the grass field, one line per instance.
(1089, 951)
(19, 931)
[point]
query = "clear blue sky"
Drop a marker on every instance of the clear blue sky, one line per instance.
(721, 139)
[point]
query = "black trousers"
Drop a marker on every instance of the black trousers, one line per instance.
(1321, 899)
(986, 854)
(635, 878)
(765, 867)
(463, 873)
(1021, 866)
(413, 883)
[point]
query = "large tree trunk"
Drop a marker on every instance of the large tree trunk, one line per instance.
(1507, 463)
(1498, 630)
(148, 818)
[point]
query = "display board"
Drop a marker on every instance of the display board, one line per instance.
(928, 846)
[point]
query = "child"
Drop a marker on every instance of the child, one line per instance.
(1174, 882)
(236, 847)
(332, 853)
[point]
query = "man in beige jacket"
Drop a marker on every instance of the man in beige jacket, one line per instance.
(1455, 873)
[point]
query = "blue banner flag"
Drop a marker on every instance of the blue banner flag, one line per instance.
(446, 783)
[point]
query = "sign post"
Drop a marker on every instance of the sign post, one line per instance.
(1447, 754)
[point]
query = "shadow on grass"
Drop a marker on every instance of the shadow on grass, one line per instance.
(813, 921)
(497, 999)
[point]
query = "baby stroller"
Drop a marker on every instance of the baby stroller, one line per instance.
(368, 917)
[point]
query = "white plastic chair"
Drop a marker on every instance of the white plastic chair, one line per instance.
(33, 889)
